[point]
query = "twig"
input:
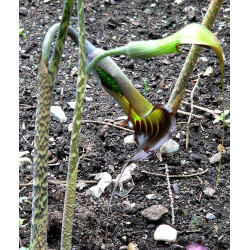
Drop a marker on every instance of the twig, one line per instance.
(174, 176)
(25, 106)
(107, 123)
(213, 112)
(187, 113)
(53, 182)
(191, 111)
(170, 195)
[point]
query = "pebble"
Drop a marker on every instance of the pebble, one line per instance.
(169, 148)
(129, 139)
(165, 233)
(88, 99)
(153, 5)
(176, 188)
(210, 216)
(72, 104)
(58, 113)
(147, 11)
(92, 19)
(178, 2)
(191, 14)
(209, 191)
(178, 135)
(154, 213)
(70, 127)
(151, 196)
(23, 11)
(215, 158)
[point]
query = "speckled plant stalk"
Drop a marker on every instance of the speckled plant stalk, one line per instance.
(38, 238)
(178, 92)
(60, 41)
(68, 212)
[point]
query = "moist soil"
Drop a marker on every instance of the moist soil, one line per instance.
(102, 148)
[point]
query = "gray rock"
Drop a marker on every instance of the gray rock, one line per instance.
(210, 216)
(154, 213)
(169, 148)
(176, 188)
(58, 113)
(215, 158)
(165, 233)
(191, 14)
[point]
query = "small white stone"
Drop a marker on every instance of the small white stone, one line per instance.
(210, 216)
(165, 233)
(58, 113)
(72, 104)
(88, 99)
(209, 191)
(151, 196)
(169, 148)
(178, 2)
(129, 139)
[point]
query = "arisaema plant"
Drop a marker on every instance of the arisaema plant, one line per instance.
(153, 123)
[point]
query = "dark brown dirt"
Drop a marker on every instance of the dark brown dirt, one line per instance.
(114, 25)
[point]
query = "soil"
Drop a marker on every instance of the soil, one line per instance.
(110, 24)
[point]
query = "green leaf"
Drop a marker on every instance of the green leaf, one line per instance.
(21, 222)
(146, 85)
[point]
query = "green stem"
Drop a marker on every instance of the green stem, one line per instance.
(60, 41)
(68, 212)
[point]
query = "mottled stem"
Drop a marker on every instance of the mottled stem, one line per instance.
(69, 204)
(178, 92)
(60, 41)
(38, 238)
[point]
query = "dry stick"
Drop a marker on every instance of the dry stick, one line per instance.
(53, 182)
(174, 176)
(107, 123)
(213, 112)
(186, 113)
(191, 111)
(170, 195)
(112, 195)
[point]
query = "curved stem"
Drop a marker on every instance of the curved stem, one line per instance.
(60, 41)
